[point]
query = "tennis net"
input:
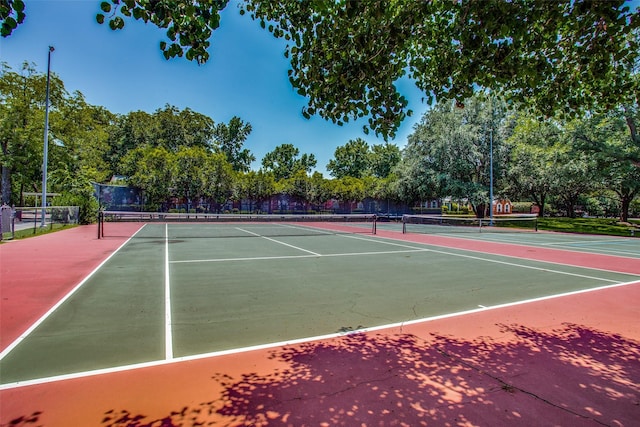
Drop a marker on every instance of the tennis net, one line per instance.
(182, 225)
(452, 224)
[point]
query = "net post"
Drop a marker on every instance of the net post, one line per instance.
(375, 224)
(100, 224)
(404, 224)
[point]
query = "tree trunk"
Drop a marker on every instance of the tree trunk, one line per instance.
(625, 202)
(479, 210)
(6, 185)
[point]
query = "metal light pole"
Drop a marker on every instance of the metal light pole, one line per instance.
(491, 177)
(45, 156)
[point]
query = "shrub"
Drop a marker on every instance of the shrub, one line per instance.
(88, 206)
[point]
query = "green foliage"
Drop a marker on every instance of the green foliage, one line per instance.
(168, 127)
(356, 159)
(609, 144)
(521, 207)
(589, 226)
(229, 139)
(383, 158)
(86, 202)
(219, 178)
(22, 96)
(350, 159)
(11, 15)
(188, 179)
(449, 152)
(256, 186)
(189, 23)
(152, 170)
(347, 55)
(535, 147)
(285, 161)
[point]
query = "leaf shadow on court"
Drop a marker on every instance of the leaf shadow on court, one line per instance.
(571, 375)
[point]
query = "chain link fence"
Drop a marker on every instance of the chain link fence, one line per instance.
(14, 219)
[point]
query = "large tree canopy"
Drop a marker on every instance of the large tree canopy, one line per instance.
(347, 55)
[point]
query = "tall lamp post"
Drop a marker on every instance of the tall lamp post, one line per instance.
(491, 177)
(45, 156)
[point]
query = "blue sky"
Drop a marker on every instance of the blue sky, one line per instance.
(124, 71)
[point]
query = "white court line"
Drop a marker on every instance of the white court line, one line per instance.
(414, 249)
(277, 241)
(513, 264)
(600, 251)
(566, 246)
(591, 242)
(220, 353)
(260, 258)
(44, 317)
(168, 325)
(263, 258)
(315, 230)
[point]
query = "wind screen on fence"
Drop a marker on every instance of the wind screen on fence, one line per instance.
(451, 224)
(182, 225)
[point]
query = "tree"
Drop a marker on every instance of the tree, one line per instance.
(257, 187)
(132, 130)
(534, 156)
(319, 191)
(22, 99)
(175, 129)
(605, 137)
(189, 180)
(351, 159)
(451, 147)
(575, 177)
(347, 55)
(79, 136)
(229, 139)
(151, 169)
(348, 190)
(383, 158)
(284, 161)
(168, 127)
(298, 187)
(218, 179)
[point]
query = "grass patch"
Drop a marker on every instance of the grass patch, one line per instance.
(608, 226)
(36, 231)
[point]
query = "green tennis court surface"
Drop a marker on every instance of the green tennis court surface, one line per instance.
(172, 292)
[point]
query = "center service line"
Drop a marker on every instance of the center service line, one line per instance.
(278, 241)
(167, 298)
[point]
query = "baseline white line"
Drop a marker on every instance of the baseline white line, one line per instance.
(277, 241)
(168, 325)
(214, 354)
(44, 317)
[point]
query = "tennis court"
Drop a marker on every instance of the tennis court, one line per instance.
(177, 291)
